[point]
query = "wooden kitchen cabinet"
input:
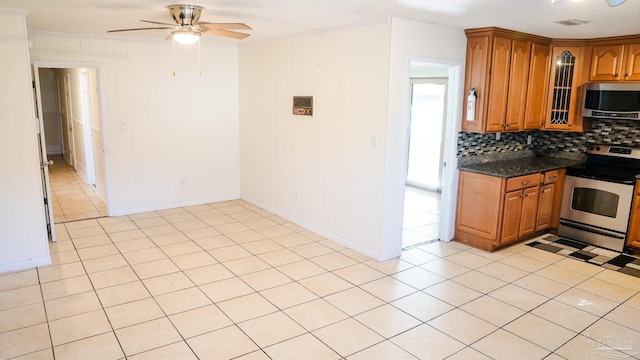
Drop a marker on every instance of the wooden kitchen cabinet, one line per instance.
(615, 62)
(493, 212)
(563, 101)
(538, 86)
(550, 198)
(498, 67)
(633, 233)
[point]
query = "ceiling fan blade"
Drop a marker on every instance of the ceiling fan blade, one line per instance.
(216, 26)
(227, 33)
(613, 3)
(136, 29)
(157, 22)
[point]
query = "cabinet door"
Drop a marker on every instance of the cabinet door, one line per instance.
(529, 211)
(499, 84)
(511, 216)
(606, 62)
(518, 82)
(632, 67)
(537, 87)
(563, 94)
(545, 206)
(477, 68)
(478, 205)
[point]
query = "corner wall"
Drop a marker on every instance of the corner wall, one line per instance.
(170, 141)
(23, 233)
(324, 171)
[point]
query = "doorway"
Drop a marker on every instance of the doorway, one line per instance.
(69, 105)
(425, 160)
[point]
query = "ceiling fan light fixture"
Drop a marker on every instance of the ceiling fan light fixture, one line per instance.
(614, 3)
(185, 37)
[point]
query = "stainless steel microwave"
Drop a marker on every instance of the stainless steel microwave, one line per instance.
(618, 100)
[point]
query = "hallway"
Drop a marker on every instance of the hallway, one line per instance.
(73, 199)
(421, 216)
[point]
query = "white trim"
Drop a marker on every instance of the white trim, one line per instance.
(164, 206)
(12, 11)
(99, 67)
(23, 265)
(450, 148)
(331, 236)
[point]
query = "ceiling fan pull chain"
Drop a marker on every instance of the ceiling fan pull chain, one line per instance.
(199, 61)
(173, 42)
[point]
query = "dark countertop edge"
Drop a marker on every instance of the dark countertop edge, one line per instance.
(518, 167)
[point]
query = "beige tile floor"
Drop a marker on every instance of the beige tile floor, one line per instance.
(421, 216)
(231, 281)
(73, 199)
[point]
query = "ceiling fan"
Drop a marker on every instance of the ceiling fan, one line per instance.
(188, 29)
(611, 3)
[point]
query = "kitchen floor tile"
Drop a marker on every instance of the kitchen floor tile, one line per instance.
(226, 289)
(226, 343)
(492, 310)
(72, 305)
(123, 293)
(78, 327)
(265, 279)
(387, 320)
(271, 329)
(133, 313)
(382, 351)
(179, 350)
(422, 306)
(288, 295)
(326, 314)
(473, 330)
(182, 300)
(167, 283)
(246, 307)
(502, 345)
(200, 321)
(24, 341)
(325, 284)
(439, 345)
(354, 301)
(347, 337)
(104, 346)
(21, 317)
(565, 315)
(146, 336)
(528, 327)
(452, 293)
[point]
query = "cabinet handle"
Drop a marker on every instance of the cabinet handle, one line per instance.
(552, 178)
(525, 182)
(626, 75)
(616, 74)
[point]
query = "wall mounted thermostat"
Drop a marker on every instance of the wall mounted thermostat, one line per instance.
(303, 105)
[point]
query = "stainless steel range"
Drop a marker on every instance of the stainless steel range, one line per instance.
(597, 196)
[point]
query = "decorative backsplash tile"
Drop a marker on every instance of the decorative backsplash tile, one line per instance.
(547, 143)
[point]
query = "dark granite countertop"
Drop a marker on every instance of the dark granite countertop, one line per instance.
(518, 167)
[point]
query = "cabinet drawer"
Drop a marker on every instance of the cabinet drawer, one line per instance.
(522, 182)
(551, 176)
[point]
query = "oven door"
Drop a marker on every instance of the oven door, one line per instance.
(595, 211)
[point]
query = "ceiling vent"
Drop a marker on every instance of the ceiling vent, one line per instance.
(571, 22)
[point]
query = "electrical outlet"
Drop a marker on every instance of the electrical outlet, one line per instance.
(529, 139)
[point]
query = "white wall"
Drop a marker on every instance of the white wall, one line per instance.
(410, 40)
(169, 141)
(328, 159)
(23, 233)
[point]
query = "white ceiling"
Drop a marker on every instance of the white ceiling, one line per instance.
(275, 18)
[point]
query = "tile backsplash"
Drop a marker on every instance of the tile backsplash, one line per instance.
(547, 143)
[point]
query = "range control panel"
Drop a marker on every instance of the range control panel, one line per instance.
(614, 150)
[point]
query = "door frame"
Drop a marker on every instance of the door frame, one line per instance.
(450, 144)
(102, 111)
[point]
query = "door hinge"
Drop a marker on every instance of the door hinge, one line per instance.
(33, 84)
(46, 202)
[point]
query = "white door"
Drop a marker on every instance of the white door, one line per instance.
(44, 161)
(426, 133)
(89, 156)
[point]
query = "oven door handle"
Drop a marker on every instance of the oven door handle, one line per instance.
(591, 229)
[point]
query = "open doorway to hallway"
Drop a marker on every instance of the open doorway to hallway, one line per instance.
(71, 117)
(425, 154)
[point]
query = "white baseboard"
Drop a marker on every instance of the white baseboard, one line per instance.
(333, 237)
(129, 211)
(54, 149)
(25, 264)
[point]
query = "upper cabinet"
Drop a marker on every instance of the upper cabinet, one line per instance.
(563, 109)
(615, 61)
(503, 69)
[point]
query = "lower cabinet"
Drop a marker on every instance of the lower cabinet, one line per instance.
(633, 234)
(494, 212)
